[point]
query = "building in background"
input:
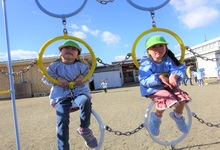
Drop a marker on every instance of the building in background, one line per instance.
(207, 50)
(28, 83)
(112, 75)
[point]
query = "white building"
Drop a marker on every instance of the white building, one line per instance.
(210, 51)
(113, 76)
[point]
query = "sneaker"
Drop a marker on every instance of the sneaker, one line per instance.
(154, 124)
(180, 123)
(90, 140)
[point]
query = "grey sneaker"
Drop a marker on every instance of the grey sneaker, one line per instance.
(90, 140)
(180, 123)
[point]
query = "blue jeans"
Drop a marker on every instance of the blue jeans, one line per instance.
(63, 115)
(190, 81)
(200, 82)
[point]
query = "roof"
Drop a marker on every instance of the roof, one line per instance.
(86, 58)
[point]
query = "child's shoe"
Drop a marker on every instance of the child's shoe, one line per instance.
(180, 122)
(90, 140)
(154, 124)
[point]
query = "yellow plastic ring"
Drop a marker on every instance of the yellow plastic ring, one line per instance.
(65, 37)
(4, 92)
(155, 29)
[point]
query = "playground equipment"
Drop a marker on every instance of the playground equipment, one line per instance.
(155, 29)
(11, 78)
(67, 37)
(4, 92)
(171, 143)
(102, 127)
(71, 84)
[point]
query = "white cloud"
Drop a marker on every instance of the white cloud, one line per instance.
(110, 38)
(79, 34)
(18, 55)
(86, 29)
(23, 54)
(121, 58)
(107, 37)
(3, 56)
(51, 55)
(197, 13)
(202, 16)
(74, 26)
(126, 45)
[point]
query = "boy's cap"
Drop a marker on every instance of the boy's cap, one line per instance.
(155, 40)
(70, 43)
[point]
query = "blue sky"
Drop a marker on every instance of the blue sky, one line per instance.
(109, 29)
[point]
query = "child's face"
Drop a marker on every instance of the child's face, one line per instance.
(157, 52)
(69, 54)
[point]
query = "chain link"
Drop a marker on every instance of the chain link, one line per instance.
(116, 64)
(4, 73)
(200, 56)
(206, 123)
(64, 26)
(104, 1)
(152, 16)
(24, 70)
(124, 133)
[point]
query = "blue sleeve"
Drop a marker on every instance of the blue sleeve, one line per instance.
(51, 70)
(147, 77)
(178, 70)
(84, 70)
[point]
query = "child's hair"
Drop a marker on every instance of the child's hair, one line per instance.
(172, 56)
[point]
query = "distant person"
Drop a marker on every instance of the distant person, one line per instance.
(200, 77)
(68, 69)
(189, 75)
(163, 89)
(194, 75)
(104, 85)
(184, 79)
(218, 74)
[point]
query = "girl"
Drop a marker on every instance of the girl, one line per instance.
(62, 98)
(163, 89)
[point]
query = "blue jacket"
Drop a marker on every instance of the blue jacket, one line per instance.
(149, 72)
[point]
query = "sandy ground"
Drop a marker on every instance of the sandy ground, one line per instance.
(122, 109)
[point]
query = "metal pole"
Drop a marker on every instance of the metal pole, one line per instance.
(11, 78)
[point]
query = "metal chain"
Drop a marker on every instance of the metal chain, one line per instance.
(117, 64)
(202, 57)
(206, 123)
(24, 70)
(64, 24)
(152, 16)
(124, 133)
(4, 73)
(104, 1)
